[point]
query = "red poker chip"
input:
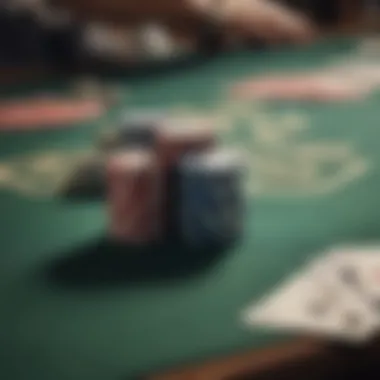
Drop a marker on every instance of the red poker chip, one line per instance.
(133, 203)
(39, 114)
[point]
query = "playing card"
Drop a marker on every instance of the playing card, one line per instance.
(358, 269)
(315, 302)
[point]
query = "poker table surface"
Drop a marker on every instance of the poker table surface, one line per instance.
(74, 307)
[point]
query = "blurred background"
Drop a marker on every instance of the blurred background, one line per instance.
(79, 34)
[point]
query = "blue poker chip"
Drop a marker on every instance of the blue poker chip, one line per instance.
(211, 198)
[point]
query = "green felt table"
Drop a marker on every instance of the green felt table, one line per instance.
(74, 308)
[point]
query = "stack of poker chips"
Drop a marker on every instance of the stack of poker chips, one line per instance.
(167, 180)
(133, 191)
(211, 201)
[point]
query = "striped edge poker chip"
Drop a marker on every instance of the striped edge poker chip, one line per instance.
(188, 127)
(178, 137)
(211, 197)
(133, 195)
(216, 160)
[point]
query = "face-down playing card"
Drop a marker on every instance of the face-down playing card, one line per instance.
(315, 302)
